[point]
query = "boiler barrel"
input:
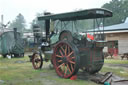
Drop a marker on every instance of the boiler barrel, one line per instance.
(91, 58)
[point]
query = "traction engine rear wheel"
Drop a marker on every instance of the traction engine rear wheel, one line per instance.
(65, 59)
(37, 61)
(66, 35)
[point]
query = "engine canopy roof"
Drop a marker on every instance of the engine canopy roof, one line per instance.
(78, 15)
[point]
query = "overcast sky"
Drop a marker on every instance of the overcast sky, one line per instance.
(11, 8)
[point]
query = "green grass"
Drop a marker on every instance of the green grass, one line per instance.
(13, 73)
(112, 61)
(118, 70)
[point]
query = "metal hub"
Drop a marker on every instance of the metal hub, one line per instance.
(37, 60)
(64, 59)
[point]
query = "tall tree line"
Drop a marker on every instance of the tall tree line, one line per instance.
(119, 9)
(19, 23)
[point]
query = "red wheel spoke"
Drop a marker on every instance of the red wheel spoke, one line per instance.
(66, 50)
(61, 52)
(59, 56)
(72, 62)
(65, 59)
(60, 65)
(72, 57)
(69, 68)
(70, 54)
(62, 48)
(59, 61)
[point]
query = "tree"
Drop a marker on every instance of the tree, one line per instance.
(39, 23)
(119, 9)
(18, 23)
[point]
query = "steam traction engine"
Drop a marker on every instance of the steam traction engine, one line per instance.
(67, 48)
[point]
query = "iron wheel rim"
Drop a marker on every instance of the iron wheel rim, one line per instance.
(37, 61)
(65, 59)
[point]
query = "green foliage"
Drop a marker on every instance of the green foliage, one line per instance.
(18, 23)
(119, 9)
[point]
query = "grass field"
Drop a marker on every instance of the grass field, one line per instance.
(19, 71)
(118, 67)
(112, 61)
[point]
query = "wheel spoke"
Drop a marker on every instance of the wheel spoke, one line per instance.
(65, 59)
(59, 56)
(70, 54)
(59, 61)
(69, 68)
(72, 57)
(62, 48)
(66, 50)
(61, 52)
(60, 65)
(38, 64)
(72, 62)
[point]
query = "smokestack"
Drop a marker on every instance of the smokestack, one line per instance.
(47, 25)
(15, 33)
(2, 21)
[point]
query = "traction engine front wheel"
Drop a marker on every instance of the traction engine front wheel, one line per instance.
(37, 60)
(65, 59)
